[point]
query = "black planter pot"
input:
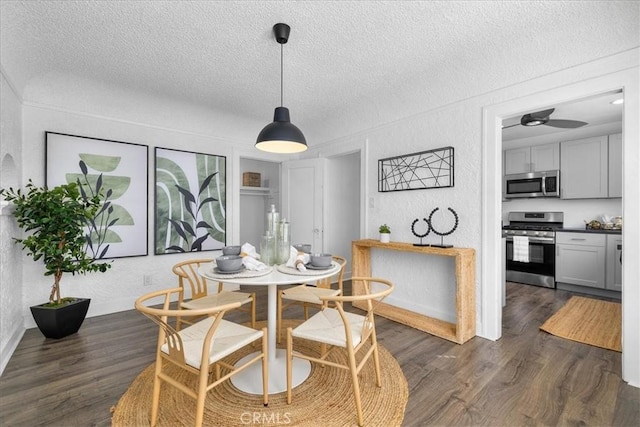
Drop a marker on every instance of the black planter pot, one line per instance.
(58, 322)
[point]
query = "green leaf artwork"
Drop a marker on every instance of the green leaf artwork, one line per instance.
(99, 233)
(190, 202)
(116, 171)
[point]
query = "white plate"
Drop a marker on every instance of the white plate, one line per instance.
(218, 271)
(313, 267)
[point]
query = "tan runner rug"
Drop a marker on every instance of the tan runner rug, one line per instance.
(589, 321)
(324, 399)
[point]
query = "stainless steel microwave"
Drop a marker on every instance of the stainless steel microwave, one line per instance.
(532, 184)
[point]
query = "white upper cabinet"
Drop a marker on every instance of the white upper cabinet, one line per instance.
(584, 168)
(532, 159)
(517, 160)
(545, 157)
(615, 165)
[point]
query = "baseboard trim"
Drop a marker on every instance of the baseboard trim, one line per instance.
(606, 293)
(10, 347)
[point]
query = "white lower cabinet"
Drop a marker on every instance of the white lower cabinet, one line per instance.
(581, 259)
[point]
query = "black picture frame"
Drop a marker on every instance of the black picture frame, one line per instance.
(190, 201)
(417, 171)
(120, 170)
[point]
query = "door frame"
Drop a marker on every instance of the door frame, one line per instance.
(627, 80)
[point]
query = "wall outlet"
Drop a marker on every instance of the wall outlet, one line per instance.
(147, 281)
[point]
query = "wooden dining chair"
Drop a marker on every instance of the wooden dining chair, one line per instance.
(199, 348)
(187, 272)
(308, 295)
(339, 330)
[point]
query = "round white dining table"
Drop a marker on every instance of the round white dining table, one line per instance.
(249, 379)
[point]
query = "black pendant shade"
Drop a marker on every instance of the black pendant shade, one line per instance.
(281, 136)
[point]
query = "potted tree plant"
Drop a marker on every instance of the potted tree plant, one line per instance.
(385, 233)
(55, 219)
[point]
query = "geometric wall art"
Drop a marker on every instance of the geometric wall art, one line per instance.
(118, 171)
(417, 171)
(190, 201)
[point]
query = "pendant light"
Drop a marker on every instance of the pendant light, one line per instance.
(281, 136)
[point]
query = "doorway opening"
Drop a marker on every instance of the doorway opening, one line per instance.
(255, 200)
(491, 272)
(492, 265)
(581, 124)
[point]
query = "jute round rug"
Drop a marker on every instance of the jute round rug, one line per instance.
(324, 399)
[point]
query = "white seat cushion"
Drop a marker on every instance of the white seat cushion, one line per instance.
(327, 326)
(310, 294)
(224, 297)
(228, 338)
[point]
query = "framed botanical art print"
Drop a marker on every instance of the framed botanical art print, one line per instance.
(190, 201)
(117, 170)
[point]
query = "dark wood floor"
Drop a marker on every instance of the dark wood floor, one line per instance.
(526, 378)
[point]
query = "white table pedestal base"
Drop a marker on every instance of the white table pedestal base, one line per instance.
(250, 380)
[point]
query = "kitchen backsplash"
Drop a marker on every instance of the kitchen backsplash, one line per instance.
(576, 211)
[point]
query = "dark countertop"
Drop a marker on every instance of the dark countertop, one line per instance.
(584, 230)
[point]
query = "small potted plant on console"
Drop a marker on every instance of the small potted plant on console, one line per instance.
(385, 233)
(55, 220)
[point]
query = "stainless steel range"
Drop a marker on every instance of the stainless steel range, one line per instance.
(531, 242)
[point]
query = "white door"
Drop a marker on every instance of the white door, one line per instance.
(303, 201)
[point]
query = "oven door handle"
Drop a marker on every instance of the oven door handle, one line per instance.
(547, 240)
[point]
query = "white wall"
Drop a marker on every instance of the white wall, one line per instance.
(426, 284)
(128, 105)
(11, 329)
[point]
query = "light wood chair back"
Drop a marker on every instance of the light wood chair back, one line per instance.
(336, 328)
(190, 279)
(327, 282)
(309, 295)
(201, 351)
(187, 272)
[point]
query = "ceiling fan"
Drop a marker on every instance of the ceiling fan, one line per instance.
(542, 118)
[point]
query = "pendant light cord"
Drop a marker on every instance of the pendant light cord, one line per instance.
(281, 136)
(281, 74)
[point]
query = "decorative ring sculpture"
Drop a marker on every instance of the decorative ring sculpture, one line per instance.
(421, 236)
(446, 233)
(431, 228)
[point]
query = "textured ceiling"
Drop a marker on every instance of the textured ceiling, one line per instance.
(349, 65)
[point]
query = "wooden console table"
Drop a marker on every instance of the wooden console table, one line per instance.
(465, 327)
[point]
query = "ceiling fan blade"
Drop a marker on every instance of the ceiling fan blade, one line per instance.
(542, 114)
(566, 124)
(510, 126)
